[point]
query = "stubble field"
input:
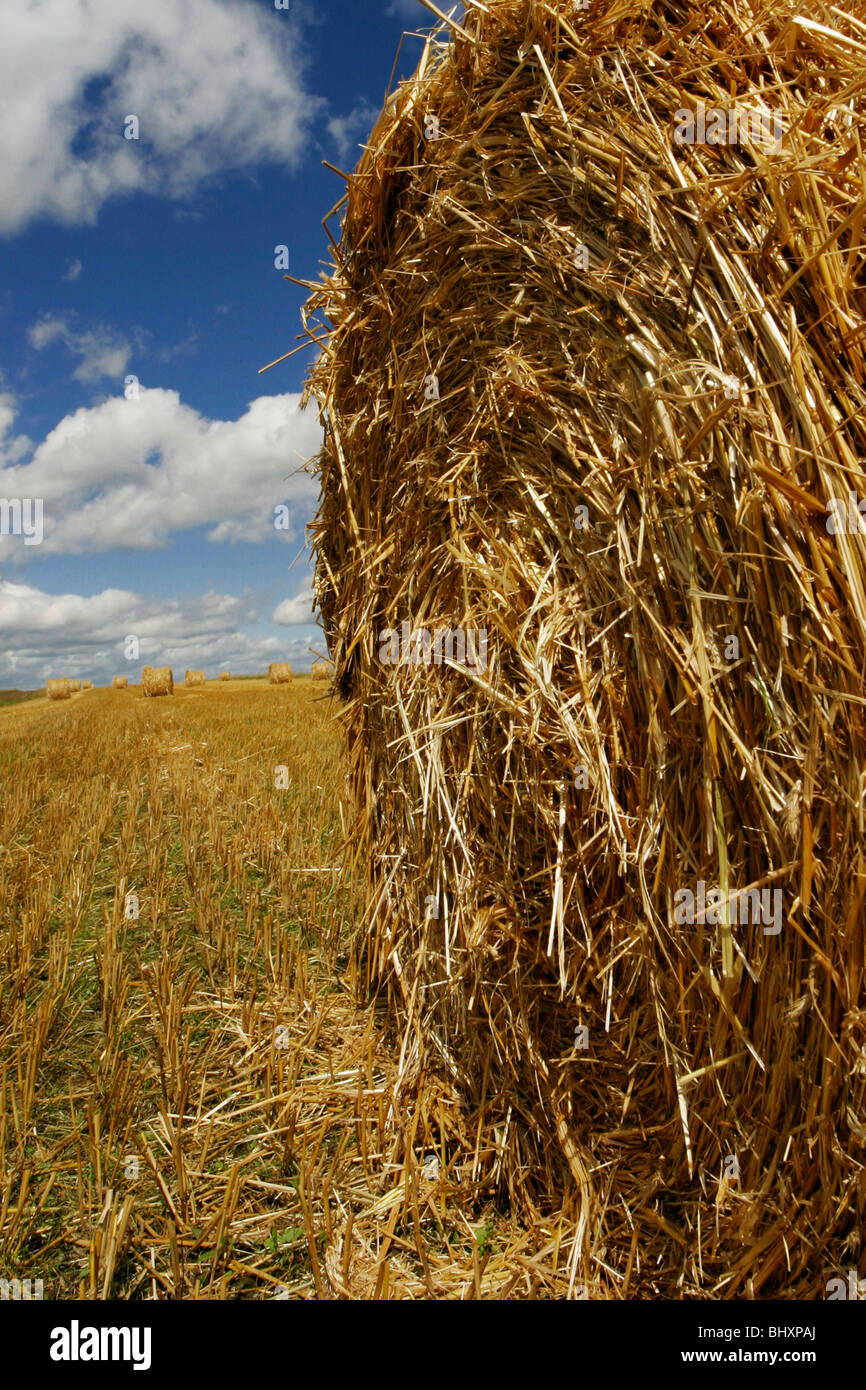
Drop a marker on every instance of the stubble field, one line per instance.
(193, 1103)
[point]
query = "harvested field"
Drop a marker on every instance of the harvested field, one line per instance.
(185, 928)
(14, 697)
(616, 868)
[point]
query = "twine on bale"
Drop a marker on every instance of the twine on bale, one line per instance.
(598, 393)
(279, 673)
(157, 680)
(119, 683)
(58, 688)
(194, 678)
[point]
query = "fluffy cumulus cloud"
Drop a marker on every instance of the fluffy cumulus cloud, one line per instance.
(127, 473)
(45, 634)
(101, 352)
(295, 612)
(216, 85)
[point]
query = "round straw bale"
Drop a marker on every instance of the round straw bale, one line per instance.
(119, 683)
(594, 388)
(157, 680)
(58, 688)
(225, 675)
(87, 685)
(322, 670)
(194, 678)
(279, 673)
(75, 686)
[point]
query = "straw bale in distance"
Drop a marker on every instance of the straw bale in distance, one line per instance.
(279, 673)
(87, 685)
(119, 683)
(194, 678)
(626, 376)
(58, 688)
(75, 686)
(225, 675)
(157, 680)
(322, 671)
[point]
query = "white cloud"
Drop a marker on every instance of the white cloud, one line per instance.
(348, 130)
(15, 447)
(295, 612)
(73, 271)
(27, 613)
(216, 86)
(129, 473)
(101, 351)
(45, 634)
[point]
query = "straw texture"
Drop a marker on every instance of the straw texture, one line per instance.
(194, 678)
(119, 683)
(592, 392)
(279, 672)
(321, 671)
(157, 680)
(58, 688)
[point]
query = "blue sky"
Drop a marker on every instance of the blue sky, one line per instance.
(152, 259)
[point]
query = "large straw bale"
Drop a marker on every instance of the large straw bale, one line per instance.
(194, 678)
(321, 670)
(157, 680)
(58, 688)
(623, 473)
(279, 673)
(119, 683)
(75, 686)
